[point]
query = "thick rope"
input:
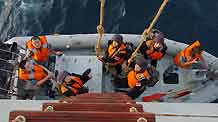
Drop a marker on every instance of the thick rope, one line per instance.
(142, 119)
(9, 52)
(147, 31)
(133, 109)
(19, 118)
(9, 92)
(176, 115)
(100, 28)
(5, 70)
(8, 61)
(49, 109)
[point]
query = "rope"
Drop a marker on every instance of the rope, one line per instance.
(49, 109)
(100, 28)
(175, 115)
(19, 118)
(9, 52)
(4, 70)
(147, 31)
(7, 61)
(133, 109)
(3, 89)
(142, 119)
(9, 92)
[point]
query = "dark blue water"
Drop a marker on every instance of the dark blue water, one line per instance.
(182, 20)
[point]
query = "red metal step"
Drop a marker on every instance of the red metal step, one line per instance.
(104, 107)
(81, 116)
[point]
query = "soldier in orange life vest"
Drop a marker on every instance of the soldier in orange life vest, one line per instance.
(34, 76)
(38, 49)
(115, 54)
(191, 57)
(73, 84)
(155, 48)
(34, 73)
(140, 77)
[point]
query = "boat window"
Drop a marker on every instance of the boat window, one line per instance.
(171, 78)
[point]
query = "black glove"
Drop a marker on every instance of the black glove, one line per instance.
(144, 82)
(83, 90)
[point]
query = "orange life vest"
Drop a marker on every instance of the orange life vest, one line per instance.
(183, 55)
(151, 53)
(36, 73)
(40, 54)
(112, 53)
(133, 78)
(77, 84)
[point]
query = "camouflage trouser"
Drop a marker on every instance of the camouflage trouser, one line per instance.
(136, 91)
(118, 70)
(112, 70)
(79, 91)
(28, 85)
(25, 89)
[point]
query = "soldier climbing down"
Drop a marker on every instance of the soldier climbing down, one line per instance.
(143, 75)
(155, 48)
(117, 52)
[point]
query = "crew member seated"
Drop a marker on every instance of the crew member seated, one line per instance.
(72, 84)
(32, 76)
(191, 57)
(38, 50)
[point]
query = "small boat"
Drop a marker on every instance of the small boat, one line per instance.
(79, 54)
(103, 103)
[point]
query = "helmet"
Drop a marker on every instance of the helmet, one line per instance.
(159, 38)
(118, 38)
(35, 38)
(35, 41)
(62, 75)
(144, 64)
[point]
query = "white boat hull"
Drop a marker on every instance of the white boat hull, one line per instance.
(83, 44)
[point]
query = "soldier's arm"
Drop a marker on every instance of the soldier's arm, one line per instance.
(28, 54)
(39, 83)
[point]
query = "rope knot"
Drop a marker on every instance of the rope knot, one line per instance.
(19, 118)
(100, 29)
